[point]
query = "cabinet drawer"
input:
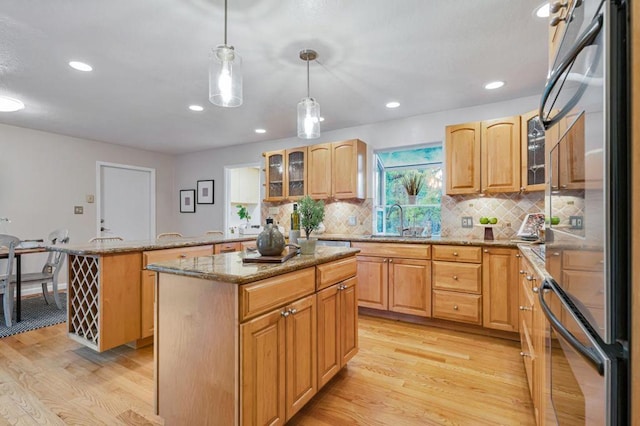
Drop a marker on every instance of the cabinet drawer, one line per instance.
(457, 306)
(526, 305)
(407, 251)
(466, 277)
(156, 256)
(227, 247)
(248, 244)
(331, 273)
(262, 296)
(458, 254)
(527, 354)
(583, 260)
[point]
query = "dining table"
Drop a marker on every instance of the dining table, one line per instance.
(18, 253)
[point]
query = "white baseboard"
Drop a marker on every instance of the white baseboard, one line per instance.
(30, 290)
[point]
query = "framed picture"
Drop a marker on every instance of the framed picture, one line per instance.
(187, 201)
(205, 192)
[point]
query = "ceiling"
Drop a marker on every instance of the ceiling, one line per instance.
(150, 61)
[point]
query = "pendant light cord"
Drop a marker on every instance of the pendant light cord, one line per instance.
(307, 77)
(225, 22)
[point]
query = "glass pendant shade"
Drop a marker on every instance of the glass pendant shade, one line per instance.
(225, 77)
(308, 119)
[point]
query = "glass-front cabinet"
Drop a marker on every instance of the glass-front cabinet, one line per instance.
(285, 174)
(533, 153)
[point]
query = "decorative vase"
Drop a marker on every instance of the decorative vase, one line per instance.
(307, 245)
(270, 241)
(412, 199)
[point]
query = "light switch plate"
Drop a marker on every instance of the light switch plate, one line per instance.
(78, 210)
(352, 221)
(467, 222)
(576, 222)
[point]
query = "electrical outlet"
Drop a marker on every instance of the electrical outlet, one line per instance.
(467, 222)
(274, 210)
(90, 198)
(575, 222)
(78, 210)
(352, 221)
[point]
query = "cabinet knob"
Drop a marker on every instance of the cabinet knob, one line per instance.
(455, 307)
(455, 277)
(293, 311)
(455, 253)
(525, 354)
(525, 308)
(522, 189)
(486, 250)
(518, 255)
(529, 277)
(182, 255)
(285, 313)
(522, 272)
(556, 6)
(535, 289)
(390, 260)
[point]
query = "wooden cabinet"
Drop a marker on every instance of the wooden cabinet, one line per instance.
(395, 277)
(285, 174)
(462, 148)
(534, 174)
(456, 282)
(148, 280)
(500, 288)
(500, 155)
(320, 157)
(348, 171)
(483, 156)
(557, 26)
(337, 328)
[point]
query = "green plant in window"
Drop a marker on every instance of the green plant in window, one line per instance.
(243, 213)
(413, 182)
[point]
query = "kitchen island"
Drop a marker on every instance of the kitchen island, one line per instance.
(239, 343)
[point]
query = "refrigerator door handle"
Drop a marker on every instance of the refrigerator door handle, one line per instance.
(592, 357)
(587, 39)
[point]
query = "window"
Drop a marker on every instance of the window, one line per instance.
(397, 172)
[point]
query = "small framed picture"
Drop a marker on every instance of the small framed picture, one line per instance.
(187, 201)
(205, 192)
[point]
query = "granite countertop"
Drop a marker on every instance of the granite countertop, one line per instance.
(228, 267)
(112, 247)
(420, 240)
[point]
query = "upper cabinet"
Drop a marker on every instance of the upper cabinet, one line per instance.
(329, 170)
(348, 171)
(285, 174)
(500, 155)
(463, 158)
(557, 24)
(534, 149)
(483, 156)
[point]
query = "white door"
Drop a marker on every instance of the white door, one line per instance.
(126, 201)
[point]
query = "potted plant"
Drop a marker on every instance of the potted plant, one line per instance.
(412, 182)
(243, 213)
(311, 214)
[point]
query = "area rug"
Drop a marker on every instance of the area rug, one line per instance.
(35, 314)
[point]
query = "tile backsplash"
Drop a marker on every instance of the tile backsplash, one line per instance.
(509, 209)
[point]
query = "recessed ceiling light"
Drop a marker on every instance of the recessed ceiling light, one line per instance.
(494, 85)
(321, 118)
(196, 108)
(80, 66)
(393, 104)
(542, 11)
(260, 131)
(8, 104)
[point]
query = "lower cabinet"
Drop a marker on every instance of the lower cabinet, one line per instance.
(395, 277)
(500, 288)
(279, 363)
(337, 328)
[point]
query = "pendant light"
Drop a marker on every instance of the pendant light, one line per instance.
(308, 108)
(225, 73)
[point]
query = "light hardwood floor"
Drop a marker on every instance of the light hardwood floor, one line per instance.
(404, 374)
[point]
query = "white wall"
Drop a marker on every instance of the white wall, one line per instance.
(44, 175)
(393, 133)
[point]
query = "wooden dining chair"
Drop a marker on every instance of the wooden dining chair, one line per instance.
(51, 268)
(9, 242)
(106, 239)
(169, 235)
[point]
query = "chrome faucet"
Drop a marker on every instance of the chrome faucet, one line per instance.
(402, 228)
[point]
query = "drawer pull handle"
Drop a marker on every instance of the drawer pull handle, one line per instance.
(455, 307)
(182, 255)
(535, 289)
(486, 250)
(285, 313)
(455, 253)
(525, 354)
(529, 277)
(455, 277)
(518, 255)
(522, 272)
(525, 308)
(293, 311)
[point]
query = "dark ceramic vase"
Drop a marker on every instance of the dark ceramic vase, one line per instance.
(270, 242)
